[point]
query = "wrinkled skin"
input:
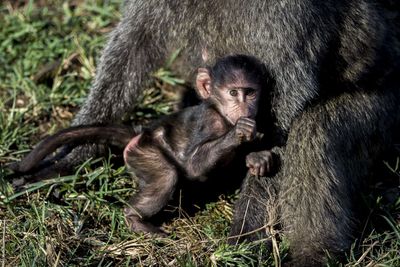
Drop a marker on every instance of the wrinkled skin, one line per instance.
(260, 163)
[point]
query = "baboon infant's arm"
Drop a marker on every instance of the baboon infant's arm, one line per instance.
(201, 144)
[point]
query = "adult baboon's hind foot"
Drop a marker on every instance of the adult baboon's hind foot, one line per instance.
(255, 210)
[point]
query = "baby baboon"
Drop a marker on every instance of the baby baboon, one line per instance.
(189, 143)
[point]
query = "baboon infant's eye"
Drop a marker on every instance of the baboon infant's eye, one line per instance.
(233, 92)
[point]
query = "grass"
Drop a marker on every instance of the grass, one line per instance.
(48, 54)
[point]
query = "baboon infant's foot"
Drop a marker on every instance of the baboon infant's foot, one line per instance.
(137, 225)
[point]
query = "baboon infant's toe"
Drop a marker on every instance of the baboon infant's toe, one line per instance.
(137, 225)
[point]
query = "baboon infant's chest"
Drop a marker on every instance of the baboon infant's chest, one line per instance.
(183, 133)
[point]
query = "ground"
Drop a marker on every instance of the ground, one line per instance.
(48, 55)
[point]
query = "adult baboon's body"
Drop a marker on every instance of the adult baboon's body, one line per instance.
(336, 95)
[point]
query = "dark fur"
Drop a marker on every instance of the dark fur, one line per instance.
(190, 143)
(335, 65)
(112, 135)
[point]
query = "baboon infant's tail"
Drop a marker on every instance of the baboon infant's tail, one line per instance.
(112, 135)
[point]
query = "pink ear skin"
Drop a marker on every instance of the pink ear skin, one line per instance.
(203, 83)
(131, 146)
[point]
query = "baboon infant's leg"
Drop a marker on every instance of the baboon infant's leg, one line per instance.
(156, 183)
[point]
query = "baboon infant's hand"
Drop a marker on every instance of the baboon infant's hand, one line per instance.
(245, 129)
(260, 163)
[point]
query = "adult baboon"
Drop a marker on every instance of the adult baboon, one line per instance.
(336, 99)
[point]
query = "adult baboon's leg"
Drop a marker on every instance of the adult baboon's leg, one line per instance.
(330, 151)
(255, 210)
(135, 48)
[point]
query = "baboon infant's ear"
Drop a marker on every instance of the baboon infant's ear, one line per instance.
(203, 83)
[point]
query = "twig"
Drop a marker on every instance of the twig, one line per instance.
(366, 253)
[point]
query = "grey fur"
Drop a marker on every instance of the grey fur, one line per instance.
(336, 96)
(329, 155)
